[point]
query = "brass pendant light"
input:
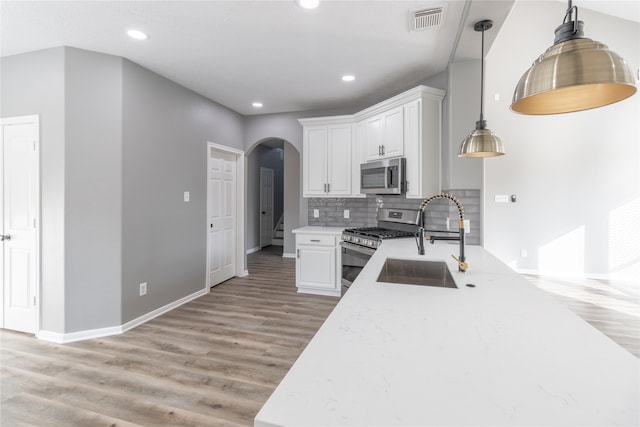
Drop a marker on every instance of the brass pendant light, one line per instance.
(574, 74)
(481, 142)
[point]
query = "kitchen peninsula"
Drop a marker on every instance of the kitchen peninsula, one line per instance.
(500, 353)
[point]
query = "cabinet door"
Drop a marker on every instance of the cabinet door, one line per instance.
(374, 133)
(316, 267)
(393, 140)
(339, 160)
(358, 156)
(314, 161)
(413, 149)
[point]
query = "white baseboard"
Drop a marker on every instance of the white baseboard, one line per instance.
(59, 338)
(287, 255)
(244, 273)
(252, 250)
(162, 310)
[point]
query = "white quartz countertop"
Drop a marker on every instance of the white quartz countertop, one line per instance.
(316, 229)
(501, 353)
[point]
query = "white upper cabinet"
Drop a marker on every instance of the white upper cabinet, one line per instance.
(339, 160)
(423, 141)
(327, 157)
(408, 125)
(384, 135)
(315, 172)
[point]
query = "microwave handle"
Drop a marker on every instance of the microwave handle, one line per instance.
(388, 177)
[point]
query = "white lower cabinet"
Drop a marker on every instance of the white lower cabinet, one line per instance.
(317, 262)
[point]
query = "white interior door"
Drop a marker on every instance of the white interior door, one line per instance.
(266, 207)
(19, 197)
(222, 216)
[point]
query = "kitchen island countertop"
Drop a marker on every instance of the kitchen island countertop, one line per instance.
(500, 353)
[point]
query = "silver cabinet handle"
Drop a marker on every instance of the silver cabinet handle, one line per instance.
(4, 237)
(328, 188)
(315, 240)
(382, 149)
(298, 253)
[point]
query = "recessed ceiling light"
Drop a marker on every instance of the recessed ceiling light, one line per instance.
(308, 4)
(348, 78)
(137, 34)
(257, 104)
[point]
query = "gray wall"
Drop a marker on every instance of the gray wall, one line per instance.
(119, 146)
(93, 190)
(461, 111)
(34, 84)
(577, 175)
(165, 131)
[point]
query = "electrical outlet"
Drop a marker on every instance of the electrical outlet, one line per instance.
(523, 253)
(346, 213)
(316, 213)
(143, 288)
(448, 225)
(186, 196)
(467, 226)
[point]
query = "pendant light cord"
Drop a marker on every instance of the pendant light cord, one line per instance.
(482, 79)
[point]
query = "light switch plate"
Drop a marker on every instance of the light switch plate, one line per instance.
(316, 213)
(501, 198)
(186, 196)
(346, 213)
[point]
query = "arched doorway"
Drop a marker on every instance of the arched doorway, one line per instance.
(283, 159)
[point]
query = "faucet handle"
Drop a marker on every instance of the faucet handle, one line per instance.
(461, 264)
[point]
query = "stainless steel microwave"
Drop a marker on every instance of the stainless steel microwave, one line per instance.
(383, 176)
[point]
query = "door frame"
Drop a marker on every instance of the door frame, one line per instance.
(35, 119)
(260, 243)
(240, 260)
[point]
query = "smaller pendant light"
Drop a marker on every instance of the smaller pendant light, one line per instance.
(574, 74)
(481, 142)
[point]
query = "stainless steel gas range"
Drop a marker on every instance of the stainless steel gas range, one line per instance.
(359, 244)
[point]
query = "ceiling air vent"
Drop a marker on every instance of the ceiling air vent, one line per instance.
(425, 19)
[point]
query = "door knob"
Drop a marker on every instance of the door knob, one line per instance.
(4, 237)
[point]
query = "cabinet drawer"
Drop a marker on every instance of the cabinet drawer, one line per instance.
(315, 239)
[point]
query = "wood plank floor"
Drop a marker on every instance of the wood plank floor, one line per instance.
(215, 360)
(212, 362)
(612, 308)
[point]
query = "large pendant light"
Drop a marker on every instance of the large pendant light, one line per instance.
(574, 74)
(481, 142)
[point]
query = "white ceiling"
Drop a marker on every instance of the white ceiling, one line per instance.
(237, 52)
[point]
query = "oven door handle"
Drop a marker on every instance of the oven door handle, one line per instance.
(356, 248)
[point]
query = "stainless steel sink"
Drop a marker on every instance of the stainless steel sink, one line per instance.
(417, 272)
